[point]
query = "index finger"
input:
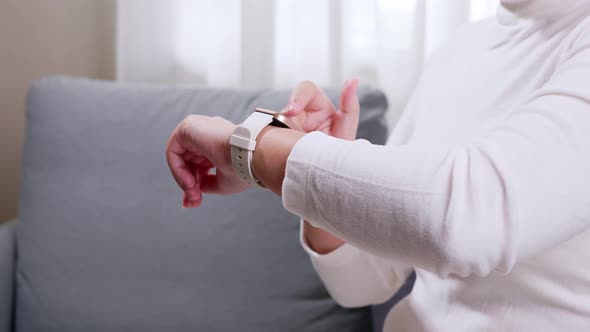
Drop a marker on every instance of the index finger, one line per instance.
(308, 96)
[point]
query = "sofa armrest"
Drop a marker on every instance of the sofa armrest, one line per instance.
(7, 271)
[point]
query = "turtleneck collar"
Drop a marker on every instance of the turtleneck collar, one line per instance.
(511, 12)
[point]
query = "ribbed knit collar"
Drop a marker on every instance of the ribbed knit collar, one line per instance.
(511, 12)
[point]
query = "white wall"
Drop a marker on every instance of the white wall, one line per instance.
(39, 38)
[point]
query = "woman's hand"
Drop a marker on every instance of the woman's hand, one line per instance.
(197, 145)
(313, 111)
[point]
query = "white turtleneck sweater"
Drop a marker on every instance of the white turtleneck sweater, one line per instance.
(483, 188)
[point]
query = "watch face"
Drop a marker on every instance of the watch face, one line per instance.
(262, 110)
(282, 120)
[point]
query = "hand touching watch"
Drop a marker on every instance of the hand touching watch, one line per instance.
(200, 143)
(310, 107)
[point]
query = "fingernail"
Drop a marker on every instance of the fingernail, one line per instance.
(293, 106)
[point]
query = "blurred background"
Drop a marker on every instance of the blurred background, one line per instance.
(226, 43)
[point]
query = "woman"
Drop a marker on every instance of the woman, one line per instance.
(483, 188)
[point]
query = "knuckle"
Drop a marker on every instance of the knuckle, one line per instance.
(185, 125)
(186, 121)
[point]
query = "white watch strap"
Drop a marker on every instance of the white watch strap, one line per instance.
(243, 143)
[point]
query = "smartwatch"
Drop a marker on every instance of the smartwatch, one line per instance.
(243, 140)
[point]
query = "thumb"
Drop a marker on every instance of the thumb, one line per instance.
(347, 119)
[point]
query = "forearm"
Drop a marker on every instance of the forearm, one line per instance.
(319, 240)
(269, 162)
(396, 201)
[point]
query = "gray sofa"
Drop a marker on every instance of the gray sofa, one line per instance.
(102, 243)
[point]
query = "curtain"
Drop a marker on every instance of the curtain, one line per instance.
(277, 43)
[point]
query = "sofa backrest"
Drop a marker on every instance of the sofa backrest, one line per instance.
(104, 244)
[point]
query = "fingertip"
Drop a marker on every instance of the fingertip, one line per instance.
(290, 112)
(193, 194)
(351, 85)
(188, 204)
(354, 83)
(349, 98)
(198, 203)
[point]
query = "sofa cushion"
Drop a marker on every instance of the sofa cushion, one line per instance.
(104, 244)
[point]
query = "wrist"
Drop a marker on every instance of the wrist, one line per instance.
(319, 240)
(269, 161)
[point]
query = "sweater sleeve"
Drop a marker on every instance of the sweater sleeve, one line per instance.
(516, 190)
(355, 278)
